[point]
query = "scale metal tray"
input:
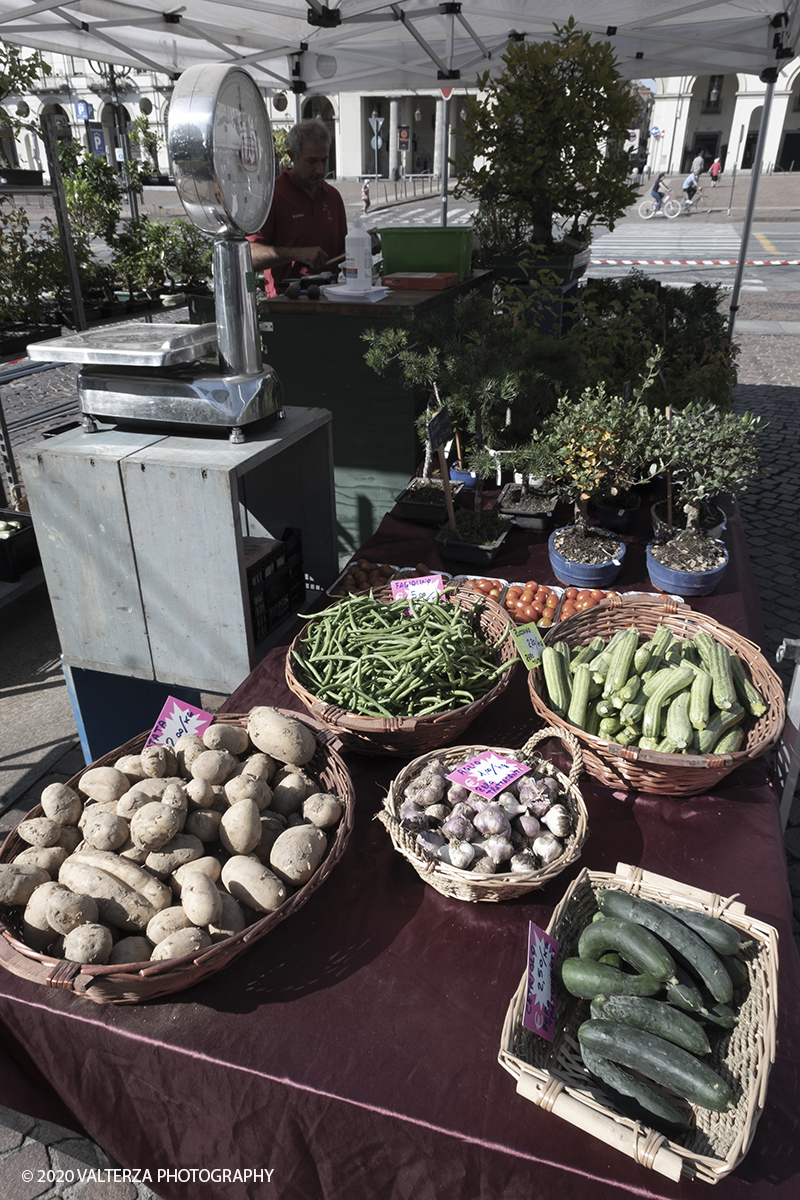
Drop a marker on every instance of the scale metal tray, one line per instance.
(130, 344)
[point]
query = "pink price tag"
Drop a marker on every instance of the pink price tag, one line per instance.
(540, 994)
(177, 718)
(488, 773)
(420, 587)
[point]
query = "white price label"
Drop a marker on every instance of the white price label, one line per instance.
(529, 644)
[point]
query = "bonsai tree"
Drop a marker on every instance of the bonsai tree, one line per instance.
(601, 443)
(544, 145)
(710, 452)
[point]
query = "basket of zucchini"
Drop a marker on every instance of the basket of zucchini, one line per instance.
(662, 698)
(665, 1022)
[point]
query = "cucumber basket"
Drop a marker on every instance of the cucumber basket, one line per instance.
(553, 1076)
(614, 752)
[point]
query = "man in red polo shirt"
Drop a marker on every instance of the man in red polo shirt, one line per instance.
(306, 225)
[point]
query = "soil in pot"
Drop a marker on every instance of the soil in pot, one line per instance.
(590, 545)
(483, 531)
(526, 501)
(688, 551)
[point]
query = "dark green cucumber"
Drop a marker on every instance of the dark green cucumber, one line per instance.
(659, 1060)
(737, 969)
(719, 1014)
(685, 993)
(654, 1016)
(611, 960)
(632, 941)
(678, 936)
(720, 936)
(586, 978)
(621, 1081)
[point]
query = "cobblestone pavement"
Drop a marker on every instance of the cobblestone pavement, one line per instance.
(769, 385)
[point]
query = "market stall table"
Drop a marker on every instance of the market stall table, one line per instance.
(353, 1052)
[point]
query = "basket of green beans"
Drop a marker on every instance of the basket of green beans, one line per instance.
(402, 676)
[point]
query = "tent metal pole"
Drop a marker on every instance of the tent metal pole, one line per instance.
(445, 164)
(769, 77)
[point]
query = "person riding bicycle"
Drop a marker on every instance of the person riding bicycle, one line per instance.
(656, 193)
(690, 186)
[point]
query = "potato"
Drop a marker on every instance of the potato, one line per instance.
(203, 823)
(263, 766)
(132, 801)
(167, 922)
(231, 919)
(105, 830)
(154, 825)
(288, 794)
(282, 737)
(37, 931)
(92, 807)
(248, 787)
(158, 761)
(103, 783)
(176, 797)
(252, 883)
(39, 831)
(232, 738)
(187, 748)
(127, 895)
(200, 793)
(240, 827)
(60, 803)
(183, 941)
(297, 853)
(133, 853)
(69, 837)
(200, 899)
(18, 881)
(272, 825)
(323, 810)
(89, 944)
(213, 765)
(211, 867)
(131, 765)
(183, 848)
(67, 910)
(130, 950)
(49, 858)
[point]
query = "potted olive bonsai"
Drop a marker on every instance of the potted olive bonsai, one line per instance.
(708, 452)
(601, 443)
(544, 152)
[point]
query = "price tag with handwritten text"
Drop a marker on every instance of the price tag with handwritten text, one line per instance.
(540, 994)
(488, 773)
(419, 587)
(529, 644)
(177, 718)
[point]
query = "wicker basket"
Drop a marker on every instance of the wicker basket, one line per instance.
(629, 767)
(554, 1077)
(464, 885)
(414, 735)
(133, 983)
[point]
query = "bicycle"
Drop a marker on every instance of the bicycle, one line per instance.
(693, 205)
(669, 207)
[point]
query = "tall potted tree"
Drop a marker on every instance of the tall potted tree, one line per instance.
(544, 153)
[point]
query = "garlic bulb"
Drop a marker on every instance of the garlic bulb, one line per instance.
(439, 812)
(535, 796)
(456, 793)
(547, 847)
(430, 840)
(492, 820)
(510, 805)
(484, 866)
(457, 854)
(523, 862)
(499, 849)
(558, 820)
(459, 829)
(526, 824)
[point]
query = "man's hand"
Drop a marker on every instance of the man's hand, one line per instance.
(313, 256)
(265, 257)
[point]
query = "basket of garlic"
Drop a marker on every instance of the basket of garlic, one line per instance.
(471, 847)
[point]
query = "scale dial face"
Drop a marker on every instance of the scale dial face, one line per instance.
(221, 149)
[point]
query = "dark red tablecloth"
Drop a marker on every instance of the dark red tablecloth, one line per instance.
(353, 1052)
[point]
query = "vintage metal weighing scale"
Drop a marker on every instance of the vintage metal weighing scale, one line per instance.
(223, 161)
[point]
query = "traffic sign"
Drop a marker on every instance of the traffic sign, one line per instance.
(375, 123)
(655, 131)
(403, 137)
(376, 142)
(446, 92)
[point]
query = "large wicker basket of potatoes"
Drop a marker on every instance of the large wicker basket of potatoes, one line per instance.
(157, 866)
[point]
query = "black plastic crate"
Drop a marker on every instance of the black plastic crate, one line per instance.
(276, 583)
(19, 552)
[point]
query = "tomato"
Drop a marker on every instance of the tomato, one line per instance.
(610, 594)
(591, 603)
(567, 610)
(597, 594)
(531, 585)
(538, 609)
(527, 596)
(571, 593)
(584, 594)
(529, 613)
(514, 593)
(494, 593)
(551, 601)
(544, 589)
(544, 622)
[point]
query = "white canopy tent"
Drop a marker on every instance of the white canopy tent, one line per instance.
(310, 47)
(313, 48)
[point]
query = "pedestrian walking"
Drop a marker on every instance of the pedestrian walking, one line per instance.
(715, 171)
(698, 163)
(365, 200)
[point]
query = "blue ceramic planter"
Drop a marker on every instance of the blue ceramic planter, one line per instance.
(683, 583)
(618, 518)
(468, 478)
(584, 575)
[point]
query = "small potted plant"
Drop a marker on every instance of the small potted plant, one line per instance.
(600, 443)
(708, 452)
(544, 153)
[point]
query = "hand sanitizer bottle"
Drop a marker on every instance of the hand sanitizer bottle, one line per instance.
(358, 258)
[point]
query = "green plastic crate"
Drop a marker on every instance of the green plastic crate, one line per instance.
(433, 248)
